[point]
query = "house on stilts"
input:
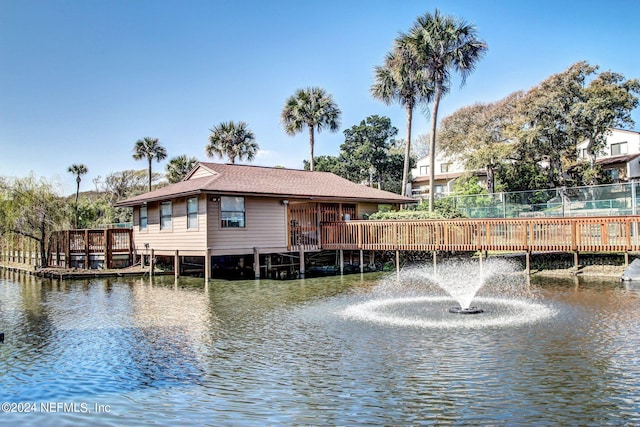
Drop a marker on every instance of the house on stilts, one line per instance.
(240, 221)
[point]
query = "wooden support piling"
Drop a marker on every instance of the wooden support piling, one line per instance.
(256, 262)
(176, 264)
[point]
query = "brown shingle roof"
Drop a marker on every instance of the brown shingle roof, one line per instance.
(270, 182)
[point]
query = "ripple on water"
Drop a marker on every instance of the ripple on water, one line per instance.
(432, 312)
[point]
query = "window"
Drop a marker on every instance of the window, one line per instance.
(192, 212)
(232, 212)
(619, 148)
(143, 217)
(165, 216)
(614, 174)
(444, 167)
(583, 153)
(424, 170)
(439, 189)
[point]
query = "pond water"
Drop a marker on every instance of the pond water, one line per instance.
(136, 352)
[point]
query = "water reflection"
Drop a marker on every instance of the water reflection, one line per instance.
(267, 352)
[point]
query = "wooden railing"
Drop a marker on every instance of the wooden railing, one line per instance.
(593, 234)
(87, 247)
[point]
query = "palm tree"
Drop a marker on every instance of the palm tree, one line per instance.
(149, 148)
(442, 45)
(312, 108)
(179, 167)
(78, 169)
(233, 141)
(401, 80)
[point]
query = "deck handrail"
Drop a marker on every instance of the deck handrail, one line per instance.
(583, 234)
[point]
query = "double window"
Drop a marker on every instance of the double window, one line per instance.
(619, 149)
(232, 212)
(445, 167)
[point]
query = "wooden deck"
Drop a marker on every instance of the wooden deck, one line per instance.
(592, 234)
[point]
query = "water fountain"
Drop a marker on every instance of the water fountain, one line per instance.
(422, 297)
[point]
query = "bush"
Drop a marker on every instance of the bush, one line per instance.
(443, 209)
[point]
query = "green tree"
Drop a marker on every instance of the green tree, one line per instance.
(606, 103)
(150, 149)
(331, 164)
(401, 80)
(366, 147)
(178, 167)
(442, 45)
(480, 135)
(522, 175)
(314, 109)
(233, 140)
(30, 207)
(77, 169)
(546, 127)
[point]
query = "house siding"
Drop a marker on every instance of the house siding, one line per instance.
(165, 242)
(266, 228)
(200, 173)
(366, 209)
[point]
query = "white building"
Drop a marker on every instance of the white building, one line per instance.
(620, 157)
(446, 172)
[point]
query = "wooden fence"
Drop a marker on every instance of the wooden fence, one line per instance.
(584, 234)
(108, 248)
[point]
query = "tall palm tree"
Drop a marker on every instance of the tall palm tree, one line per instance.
(233, 140)
(442, 45)
(401, 80)
(179, 167)
(149, 148)
(312, 108)
(78, 169)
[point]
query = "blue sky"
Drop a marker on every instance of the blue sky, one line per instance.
(81, 81)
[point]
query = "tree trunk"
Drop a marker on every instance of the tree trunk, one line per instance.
(490, 179)
(150, 159)
(75, 219)
(311, 142)
(44, 259)
(432, 146)
(407, 153)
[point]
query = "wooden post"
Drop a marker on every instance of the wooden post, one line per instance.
(207, 265)
(575, 260)
(107, 249)
(152, 263)
(626, 258)
(361, 261)
(341, 261)
(256, 262)
(527, 262)
(398, 262)
(86, 249)
(67, 250)
(176, 264)
(302, 272)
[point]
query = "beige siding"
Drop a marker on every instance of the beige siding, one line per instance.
(201, 173)
(187, 241)
(266, 228)
(366, 209)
